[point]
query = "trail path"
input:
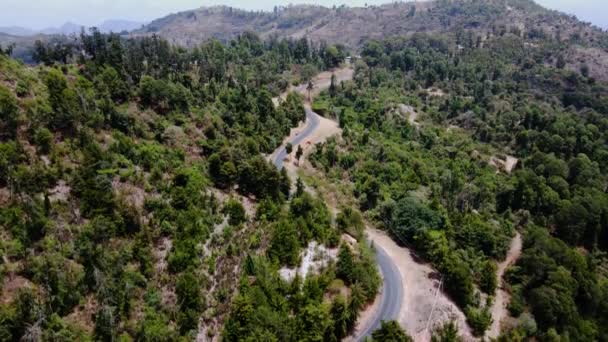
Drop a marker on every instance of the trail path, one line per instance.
(499, 308)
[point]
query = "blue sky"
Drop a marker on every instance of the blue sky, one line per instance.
(44, 13)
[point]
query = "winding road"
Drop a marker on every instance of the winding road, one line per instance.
(392, 288)
(312, 123)
(392, 293)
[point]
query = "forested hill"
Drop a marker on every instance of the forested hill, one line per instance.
(353, 26)
(135, 200)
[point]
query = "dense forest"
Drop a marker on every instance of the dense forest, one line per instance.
(432, 175)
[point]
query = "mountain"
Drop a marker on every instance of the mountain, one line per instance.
(67, 29)
(110, 25)
(117, 25)
(17, 31)
(352, 26)
(582, 43)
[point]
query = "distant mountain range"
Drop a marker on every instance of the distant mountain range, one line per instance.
(113, 25)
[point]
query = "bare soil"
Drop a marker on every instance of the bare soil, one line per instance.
(499, 308)
(12, 285)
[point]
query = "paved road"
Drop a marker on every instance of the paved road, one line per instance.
(392, 287)
(392, 294)
(312, 122)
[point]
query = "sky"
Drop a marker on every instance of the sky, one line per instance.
(41, 14)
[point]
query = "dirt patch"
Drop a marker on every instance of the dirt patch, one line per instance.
(60, 193)
(249, 204)
(5, 196)
(435, 92)
(505, 164)
(11, 286)
(132, 194)
(84, 315)
(160, 253)
(410, 113)
(320, 82)
(423, 307)
(502, 299)
(596, 59)
(313, 259)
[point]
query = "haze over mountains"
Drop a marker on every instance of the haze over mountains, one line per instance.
(111, 25)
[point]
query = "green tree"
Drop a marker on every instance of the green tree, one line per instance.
(9, 112)
(412, 218)
(155, 327)
(114, 84)
(340, 317)
(106, 327)
(488, 281)
(299, 187)
(332, 86)
(390, 331)
(345, 267)
(64, 101)
(188, 291)
(299, 153)
(235, 211)
(448, 332)
(312, 323)
(284, 244)
(479, 319)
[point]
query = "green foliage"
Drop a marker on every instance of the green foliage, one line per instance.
(106, 204)
(411, 219)
(188, 291)
(9, 111)
(390, 331)
(488, 282)
(235, 211)
(350, 221)
(479, 320)
(163, 96)
(448, 332)
(64, 100)
(284, 244)
(112, 83)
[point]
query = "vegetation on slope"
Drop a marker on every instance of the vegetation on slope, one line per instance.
(126, 184)
(434, 184)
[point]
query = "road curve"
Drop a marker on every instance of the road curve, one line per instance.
(392, 287)
(312, 122)
(392, 294)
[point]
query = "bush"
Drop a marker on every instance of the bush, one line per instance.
(43, 138)
(412, 218)
(479, 319)
(390, 331)
(488, 281)
(9, 112)
(235, 211)
(22, 89)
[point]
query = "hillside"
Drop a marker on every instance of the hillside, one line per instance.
(138, 207)
(352, 26)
